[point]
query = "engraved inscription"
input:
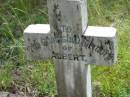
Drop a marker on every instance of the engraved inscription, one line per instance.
(103, 48)
(34, 45)
(89, 45)
(72, 57)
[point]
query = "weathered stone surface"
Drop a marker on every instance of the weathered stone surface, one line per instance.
(69, 16)
(73, 80)
(68, 19)
(99, 45)
(36, 44)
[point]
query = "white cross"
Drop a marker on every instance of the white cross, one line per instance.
(72, 45)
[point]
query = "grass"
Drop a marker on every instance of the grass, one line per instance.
(117, 76)
(114, 81)
(5, 77)
(38, 78)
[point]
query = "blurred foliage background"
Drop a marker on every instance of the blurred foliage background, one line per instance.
(37, 79)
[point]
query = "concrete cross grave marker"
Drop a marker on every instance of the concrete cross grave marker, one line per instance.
(72, 44)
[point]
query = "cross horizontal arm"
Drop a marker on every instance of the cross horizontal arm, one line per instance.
(98, 45)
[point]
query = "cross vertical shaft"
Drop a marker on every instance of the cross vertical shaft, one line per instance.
(68, 21)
